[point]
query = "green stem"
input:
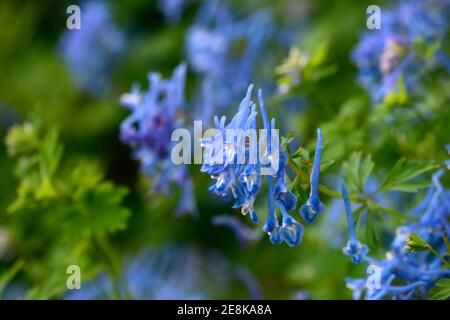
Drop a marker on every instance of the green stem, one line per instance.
(438, 255)
(113, 262)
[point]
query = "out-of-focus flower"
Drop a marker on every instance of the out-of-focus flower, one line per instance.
(391, 54)
(301, 295)
(249, 280)
(291, 69)
(155, 113)
(243, 181)
(173, 9)
(415, 273)
(224, 49)
(90, 52)
(170, 272)
(244, 235)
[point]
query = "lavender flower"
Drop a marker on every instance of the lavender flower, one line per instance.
(90, 51)
(390, 54)
(314, 206)
(354, 248)
(415, 273)
(147, 130)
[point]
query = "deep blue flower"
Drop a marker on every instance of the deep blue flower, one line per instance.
(313, 205)
(155, 113)
(385, 55)
(90, 52)
(242, 182)
(354, 248)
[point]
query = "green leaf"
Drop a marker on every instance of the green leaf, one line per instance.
(366, 169)
(415, 243)
(22, 139)
(324, 165)
(447, 242)
(411, 186)
(403, 171)
(98, 203)
(357, 170)
(441, 290)
(391, 212)
(286, 140)
(397, 97)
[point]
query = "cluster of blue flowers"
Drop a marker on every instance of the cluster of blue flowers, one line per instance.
(224, 49)
(391, 54)
(403, 274)
(243, 182)
(90, 51)
(155, 113)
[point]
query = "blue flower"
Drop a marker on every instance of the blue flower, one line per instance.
(415, 273)
(243, 181)
(224, 49)
(387, 55)
(147, 130)
(244, 235)
(172, 9)
(90, 52)
(354, 248)
(313, 205)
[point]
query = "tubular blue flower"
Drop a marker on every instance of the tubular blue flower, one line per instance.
(90, 52)
(243, 181)
(385, 55)
(147, 130)
(415, 273)
(354, 248)
(313, 205)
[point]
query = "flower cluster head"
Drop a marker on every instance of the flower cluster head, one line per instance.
(410, 275)
(242, 181)
(155, 113)
(224, 49)
(90, 51)
(392, 54)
